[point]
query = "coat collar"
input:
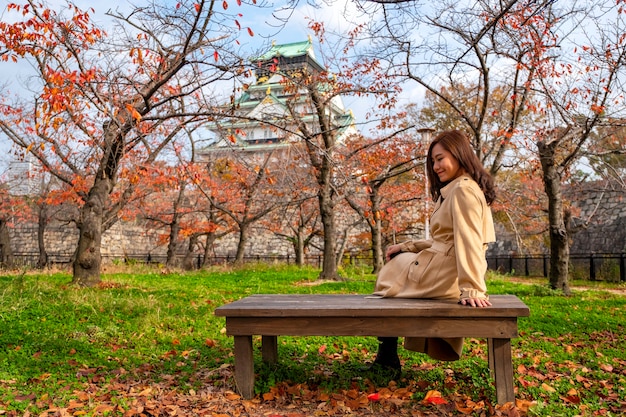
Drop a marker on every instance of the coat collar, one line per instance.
(445, 190)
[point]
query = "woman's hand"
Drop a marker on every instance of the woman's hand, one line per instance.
(392, 250)
(476, 302)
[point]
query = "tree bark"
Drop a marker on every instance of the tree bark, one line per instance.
(323, 164)
(42, 260)
(298, 245)
(188, 260)
(172, 247)
(87, 258)
(376, 227)
(241, 245)
(559, 236)
(327, 213)
(6, 253)
(374, 223)
(208, 246)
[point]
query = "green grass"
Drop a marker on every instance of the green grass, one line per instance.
(58, 342)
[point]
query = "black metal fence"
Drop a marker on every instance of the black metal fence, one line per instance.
(30, 259)
(609, 267)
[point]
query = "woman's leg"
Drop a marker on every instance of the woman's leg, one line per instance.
(387, 355)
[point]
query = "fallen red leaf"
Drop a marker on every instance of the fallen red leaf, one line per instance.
(434, 397)
(374, 397)
(435, 400)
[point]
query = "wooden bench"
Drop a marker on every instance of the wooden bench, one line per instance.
(272, 315)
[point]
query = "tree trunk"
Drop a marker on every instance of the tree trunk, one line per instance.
(298, 245)
(87, 259)
(6, 253)
(559, 236)
(327, 213)
(376, 227)
(42, 261)
(241, 245)
(208, 246)
(172, 246)
(188, 260)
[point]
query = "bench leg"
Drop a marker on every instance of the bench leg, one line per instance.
(269, 349)
(501, 365)
(244, 366)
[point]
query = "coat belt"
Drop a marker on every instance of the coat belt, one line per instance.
(447, 248)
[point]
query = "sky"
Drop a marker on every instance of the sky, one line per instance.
(266, 26)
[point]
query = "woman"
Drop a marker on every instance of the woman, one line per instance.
(452, 264)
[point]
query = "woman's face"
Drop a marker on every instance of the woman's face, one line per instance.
(445, 165)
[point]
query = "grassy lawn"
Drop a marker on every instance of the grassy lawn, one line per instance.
(146, 343)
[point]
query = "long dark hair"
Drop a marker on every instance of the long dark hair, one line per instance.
(458, 144)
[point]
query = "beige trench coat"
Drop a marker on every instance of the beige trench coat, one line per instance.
(451, 265)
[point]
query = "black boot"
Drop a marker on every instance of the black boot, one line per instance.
(387, 359)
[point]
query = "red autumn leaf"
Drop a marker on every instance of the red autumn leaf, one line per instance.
(225, 5)
(374, 397)
(321, 349)
(197, 6)
(216, 56)
(436, 400)
(250, 32)
(434, 397)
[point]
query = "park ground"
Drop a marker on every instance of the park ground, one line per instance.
(147, 344)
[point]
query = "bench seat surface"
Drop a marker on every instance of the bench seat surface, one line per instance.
(359, 305)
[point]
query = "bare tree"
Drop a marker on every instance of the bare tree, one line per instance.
(582, 91)
(469, 57)
(109, 104)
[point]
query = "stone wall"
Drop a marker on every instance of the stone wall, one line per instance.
(122, 240)
(604, 210)
(599, 218)
(602, 219)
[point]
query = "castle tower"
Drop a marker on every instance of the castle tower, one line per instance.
(268, 100)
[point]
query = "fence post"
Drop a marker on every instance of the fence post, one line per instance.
(622, 268)
(526, 270)
(592, 268)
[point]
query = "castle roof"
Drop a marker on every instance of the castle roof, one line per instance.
(289, 50)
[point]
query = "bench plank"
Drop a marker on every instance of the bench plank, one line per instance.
(373, 326)
(272, 315)
(353, 305)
